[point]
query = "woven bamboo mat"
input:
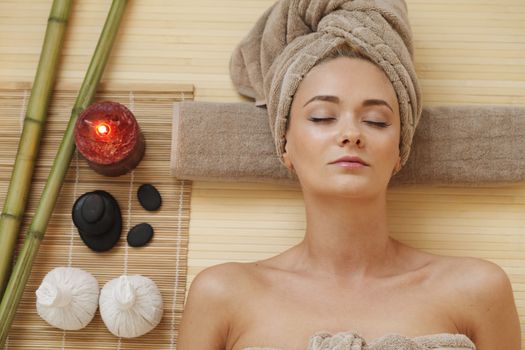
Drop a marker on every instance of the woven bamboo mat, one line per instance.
(165, 258)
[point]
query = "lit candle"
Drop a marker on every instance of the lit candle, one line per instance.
(109, 137)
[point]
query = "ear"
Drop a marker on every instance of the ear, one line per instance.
(286, 158)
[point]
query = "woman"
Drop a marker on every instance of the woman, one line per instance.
(348, 278)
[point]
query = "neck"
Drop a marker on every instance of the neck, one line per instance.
(346, 237)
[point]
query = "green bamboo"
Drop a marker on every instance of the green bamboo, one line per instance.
(29, 144)
(37, 229)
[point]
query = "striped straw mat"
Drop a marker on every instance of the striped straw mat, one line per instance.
(164, 259)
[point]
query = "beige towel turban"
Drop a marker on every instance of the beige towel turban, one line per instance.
(293, 35)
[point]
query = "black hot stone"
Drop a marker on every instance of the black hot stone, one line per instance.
(149, 197)
(140, 234)
(98, 220)
(92, 208)
(94, 212)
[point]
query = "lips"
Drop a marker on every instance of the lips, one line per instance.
(350, 159)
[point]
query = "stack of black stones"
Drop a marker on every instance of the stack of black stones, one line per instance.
(98, 218)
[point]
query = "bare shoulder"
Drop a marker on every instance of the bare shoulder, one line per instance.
(481, 292)
(221, 283)
(475, 278)
(211, 304)
(469, 271)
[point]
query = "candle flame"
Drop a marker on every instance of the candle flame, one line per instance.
(103, 129)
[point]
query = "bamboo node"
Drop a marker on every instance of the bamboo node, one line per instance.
(36, 234)
(76, 110)
(57, 19)
(7, 215)
(34, 120)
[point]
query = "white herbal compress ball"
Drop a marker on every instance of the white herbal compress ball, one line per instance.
(130, 306)
(67, 298)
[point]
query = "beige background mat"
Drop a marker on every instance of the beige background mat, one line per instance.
(164, 259)
(467, 51)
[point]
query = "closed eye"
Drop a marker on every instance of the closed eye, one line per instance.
(321, 119)
(379, 124)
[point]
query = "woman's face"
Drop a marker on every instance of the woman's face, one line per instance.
(345, 107)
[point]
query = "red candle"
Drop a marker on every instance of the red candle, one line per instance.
(109, 137)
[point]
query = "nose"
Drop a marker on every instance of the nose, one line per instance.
(350, 134)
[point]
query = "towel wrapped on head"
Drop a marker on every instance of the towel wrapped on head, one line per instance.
(465, 145)
(294, 35)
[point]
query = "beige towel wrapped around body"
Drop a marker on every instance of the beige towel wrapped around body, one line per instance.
(352, 341)
(464, 145)
(293, 35)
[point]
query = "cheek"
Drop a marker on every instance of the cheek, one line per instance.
(387, 145)
(306, 145)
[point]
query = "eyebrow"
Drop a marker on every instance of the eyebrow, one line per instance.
(327, 98)
(376, 102)
(335, 99)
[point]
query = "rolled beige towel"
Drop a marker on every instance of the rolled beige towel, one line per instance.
(225, 142)
(465, 145)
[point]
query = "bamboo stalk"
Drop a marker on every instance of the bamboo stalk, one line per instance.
(29, 144)
(37, 229)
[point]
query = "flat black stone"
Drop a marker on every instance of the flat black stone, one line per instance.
(92, 204)
(140, 235)
(92, 208)
(98, 220)
(149, 197)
